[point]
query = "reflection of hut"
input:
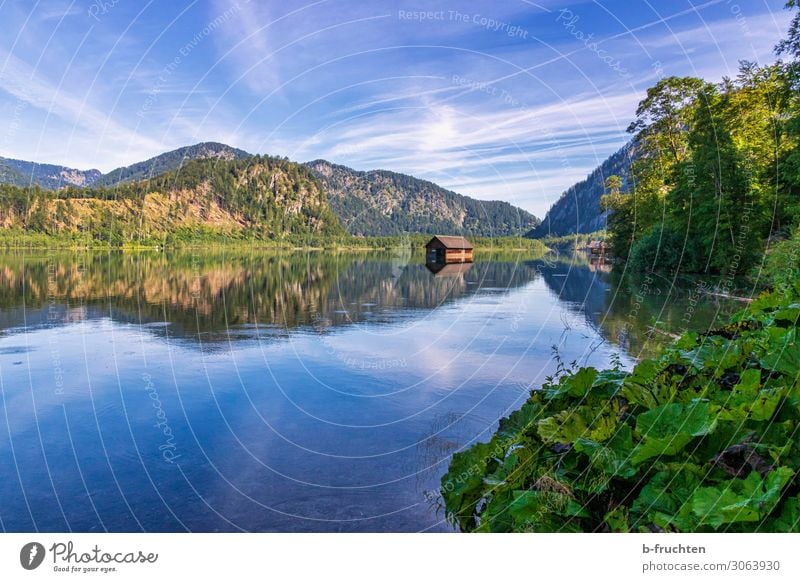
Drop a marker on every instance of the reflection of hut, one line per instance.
(448, 249)
(599, 265)
(447, 270)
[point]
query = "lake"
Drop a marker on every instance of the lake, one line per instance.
(286, 391)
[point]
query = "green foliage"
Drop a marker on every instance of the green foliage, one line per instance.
(717, 165)
(383, 203)
(791, 44)
(782, 266)
(660, 248)
(702, 439)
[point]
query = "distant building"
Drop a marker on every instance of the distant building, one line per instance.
(448, 249)
(597, 247)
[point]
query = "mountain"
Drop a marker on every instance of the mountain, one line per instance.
(578, 208)
(259, 196)
(374, 203)
(9, 175)
(170, 161)
(52, 177)
(380, 203)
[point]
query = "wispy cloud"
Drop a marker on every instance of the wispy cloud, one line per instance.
(23, 82)
(449, 99)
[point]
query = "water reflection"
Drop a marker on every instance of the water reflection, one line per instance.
(208, 295)
(282, 391)
(641, 313)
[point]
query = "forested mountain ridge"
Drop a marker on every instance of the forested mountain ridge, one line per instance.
(170, 161)
(578, 209)
(50, 176)
(258, 197)
(53, 177)
(380, 202)
(374, 203)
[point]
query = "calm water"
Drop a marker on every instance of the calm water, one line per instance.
(284, 392)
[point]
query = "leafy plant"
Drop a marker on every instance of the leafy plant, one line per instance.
(702, 439)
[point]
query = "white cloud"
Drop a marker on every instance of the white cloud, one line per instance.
(527, 155)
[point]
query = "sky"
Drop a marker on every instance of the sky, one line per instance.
(497, 99)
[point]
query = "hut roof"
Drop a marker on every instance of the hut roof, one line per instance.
(452, 242)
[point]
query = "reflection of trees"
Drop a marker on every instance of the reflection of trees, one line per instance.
(208, 293)
(639, 313)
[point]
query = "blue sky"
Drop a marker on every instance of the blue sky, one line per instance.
(513, 99)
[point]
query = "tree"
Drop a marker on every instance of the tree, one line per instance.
(712, 205)
(613, 185)
(791, 44)
(661, 117)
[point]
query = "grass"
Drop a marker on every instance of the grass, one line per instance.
(185, 238)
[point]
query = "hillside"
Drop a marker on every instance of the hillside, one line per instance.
(170, 161)
(375, 203)
(9, 175)
(578, 208)
(53, 177)
(383, 203)
(259, 197)
(50, 176)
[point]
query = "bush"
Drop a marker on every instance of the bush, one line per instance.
(783, 262)
(702, 439)
(659, 249)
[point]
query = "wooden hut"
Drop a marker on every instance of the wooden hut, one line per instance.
(448, 249)
(597, 247)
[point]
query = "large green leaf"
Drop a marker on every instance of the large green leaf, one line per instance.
(740, 500)
(670, 427)
(640, 387)
(789, 518)
(576, 385)
(716, 354)
(613, 457)
(784, 354)
(569, 425)
(748, 401)
(662, 500)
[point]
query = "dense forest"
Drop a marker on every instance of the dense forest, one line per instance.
(717, 179)
(381, 203)
(374, 204)
(170, 161)
(256, 197)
